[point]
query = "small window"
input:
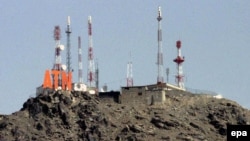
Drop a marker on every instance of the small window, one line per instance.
(140, 93)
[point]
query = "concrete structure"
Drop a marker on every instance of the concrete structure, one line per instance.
(148, 94)
(79, 87)
(170, 87)
(141, 94)
(43, 91)
(108, 97)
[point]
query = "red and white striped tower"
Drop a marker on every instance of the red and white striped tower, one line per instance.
(58, 48)
(80, 80)
(57, 78)
(179, 60)
(91, 67)
(159, 54)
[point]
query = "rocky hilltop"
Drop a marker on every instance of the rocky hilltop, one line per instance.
(76, 116)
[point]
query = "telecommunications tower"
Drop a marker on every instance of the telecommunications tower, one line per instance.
(179, 60)
(68, 56)
(80, 80)
(129, 73)
(91, 67)
(57, 78)
(58, 49)
(159, 54)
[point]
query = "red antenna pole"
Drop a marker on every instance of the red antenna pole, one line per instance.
(58, 48)
(91, 67)
(179, 60)
(57, 68)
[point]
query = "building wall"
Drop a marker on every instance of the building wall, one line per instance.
(136, 95)
(157, 96)
(107, 97)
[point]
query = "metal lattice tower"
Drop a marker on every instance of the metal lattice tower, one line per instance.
(68, 56)
(80, 79)
(179, 60)
(58, 49)
(91, 67)
(159, 54)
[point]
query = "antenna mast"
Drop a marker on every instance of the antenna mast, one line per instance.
(167, 73)
(80, 80)
(97, 76)
(91, 67)
(129, 73)
(159, 55)
(58, 48)
(57, 78)
(68, 32)
(179, 60)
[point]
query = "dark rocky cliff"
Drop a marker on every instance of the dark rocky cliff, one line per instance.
(80, 117)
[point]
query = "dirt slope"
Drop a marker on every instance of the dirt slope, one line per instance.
(80, 117)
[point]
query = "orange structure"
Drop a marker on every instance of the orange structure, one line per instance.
(47, 81)
(69, 81)
(55, 79)
(59, 79)
(64, 80)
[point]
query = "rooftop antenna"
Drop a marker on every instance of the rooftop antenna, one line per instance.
(68, 32)
(80, 80)
(179, 60)
(91, 67)
(160, 54)
(129, 73)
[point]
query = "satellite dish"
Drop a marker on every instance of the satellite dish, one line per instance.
(61, 47)
(78, 86)
(64, 67)
(91, 92)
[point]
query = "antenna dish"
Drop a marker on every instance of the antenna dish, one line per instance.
(61, 47)
(90, 19)
(64, 67)
(68, 20)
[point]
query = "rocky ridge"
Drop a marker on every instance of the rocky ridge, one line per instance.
(80, 117)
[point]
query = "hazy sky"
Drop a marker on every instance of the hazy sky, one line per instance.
(214, 34)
